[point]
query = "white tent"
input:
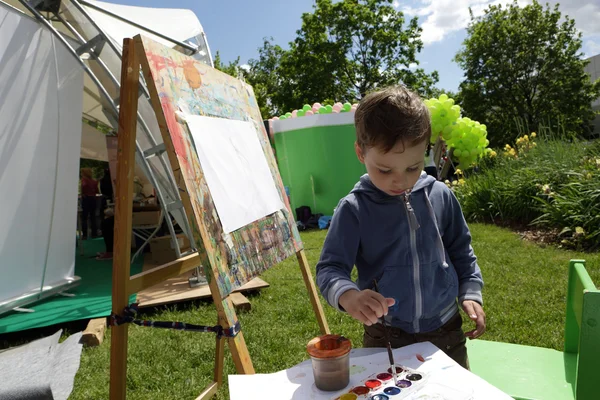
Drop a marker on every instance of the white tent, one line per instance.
(45, 91)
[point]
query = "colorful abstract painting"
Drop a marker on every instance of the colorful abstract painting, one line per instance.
(184, 85)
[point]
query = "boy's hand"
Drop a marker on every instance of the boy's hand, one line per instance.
(366, 305)
(475, 312)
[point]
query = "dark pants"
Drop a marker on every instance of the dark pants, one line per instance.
(88, 210)
(450, 338)
(108, 232)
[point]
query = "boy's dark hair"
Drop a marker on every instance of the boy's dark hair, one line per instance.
(387, 116)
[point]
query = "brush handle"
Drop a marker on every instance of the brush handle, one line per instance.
(387, 337)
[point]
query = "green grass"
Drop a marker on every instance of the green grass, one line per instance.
(524, 301)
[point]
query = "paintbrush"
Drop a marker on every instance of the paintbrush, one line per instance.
(389, 344)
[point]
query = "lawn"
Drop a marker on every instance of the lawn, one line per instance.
(524, 301)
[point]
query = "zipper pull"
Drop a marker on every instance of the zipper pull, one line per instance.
(412, 218)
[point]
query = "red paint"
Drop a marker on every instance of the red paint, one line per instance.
(360, 390)
(420, 358)
(373, 383)
(384, 376)
(398, 370)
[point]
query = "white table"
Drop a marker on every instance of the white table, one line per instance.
(443, 375)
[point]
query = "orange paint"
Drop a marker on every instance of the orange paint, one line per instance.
(191, 73)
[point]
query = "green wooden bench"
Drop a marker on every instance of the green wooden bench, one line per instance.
(536, 373)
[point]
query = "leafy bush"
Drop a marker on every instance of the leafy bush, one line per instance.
(549, 183)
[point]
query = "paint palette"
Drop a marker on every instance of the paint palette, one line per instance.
(381, 386)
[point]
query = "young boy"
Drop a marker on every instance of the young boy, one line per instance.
(405, 230)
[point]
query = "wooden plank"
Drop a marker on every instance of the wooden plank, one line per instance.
(130, 72)
(209, 392)
(219, 360)
(312, 292)
(94, 332)
(240, 302)
(178, 289)
(151, 277)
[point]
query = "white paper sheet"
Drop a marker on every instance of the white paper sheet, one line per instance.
(446, 380)
(236, 170)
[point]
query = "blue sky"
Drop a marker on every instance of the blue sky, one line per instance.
(237, 27)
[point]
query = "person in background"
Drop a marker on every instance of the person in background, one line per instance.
(108, 218)
(430, 167)
(106, 187)
(89, 190)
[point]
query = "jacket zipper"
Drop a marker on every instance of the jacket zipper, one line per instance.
(414, 225)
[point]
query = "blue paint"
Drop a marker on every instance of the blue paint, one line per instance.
(392, 391)
(379, 397)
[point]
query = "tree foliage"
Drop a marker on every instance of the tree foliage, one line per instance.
(343, 50)
(525, 64)
(348, 48)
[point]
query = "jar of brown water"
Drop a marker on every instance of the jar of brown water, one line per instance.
(330, 356)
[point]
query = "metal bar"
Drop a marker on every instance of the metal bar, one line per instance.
(111, 102)
(155, 150)
(160, 35)
(88, 45)
(174, 193)
(29, 298)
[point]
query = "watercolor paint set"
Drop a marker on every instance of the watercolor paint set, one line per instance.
(381, 386)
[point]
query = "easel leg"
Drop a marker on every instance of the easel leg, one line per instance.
(219, 360)
(124, 200)
(312, 292)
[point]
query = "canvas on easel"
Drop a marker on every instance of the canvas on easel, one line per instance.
(237, 237)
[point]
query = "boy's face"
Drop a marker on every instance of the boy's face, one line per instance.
(396, 171)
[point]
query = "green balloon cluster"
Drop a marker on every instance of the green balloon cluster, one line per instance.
(444, 114)
(469, 140)
(317, 108)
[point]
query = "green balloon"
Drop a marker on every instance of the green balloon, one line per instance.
(282, 117)
(323, 110)
(329, 108)
(306, 107)
(347, 105)
(301, 113)
(288, 115)
(458, 152)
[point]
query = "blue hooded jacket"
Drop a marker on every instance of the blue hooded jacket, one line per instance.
(417, 247)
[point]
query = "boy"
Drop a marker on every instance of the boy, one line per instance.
(405, 230)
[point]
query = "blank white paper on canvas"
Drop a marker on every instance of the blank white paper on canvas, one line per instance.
(236, 170)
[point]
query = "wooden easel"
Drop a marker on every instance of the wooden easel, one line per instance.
(124, 285)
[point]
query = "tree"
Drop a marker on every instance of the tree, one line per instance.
(348, 48)
(525, 65)
(233, 68)
(266, 76)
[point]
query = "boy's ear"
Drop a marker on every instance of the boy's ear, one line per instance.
(359, 153)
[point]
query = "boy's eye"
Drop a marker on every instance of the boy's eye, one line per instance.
(412, 169)
(385, 171)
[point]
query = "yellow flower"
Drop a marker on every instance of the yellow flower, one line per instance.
(458, 171)
(526, 138)
(589, 175)
(534, 144)
(493, 154)
(507, 147)
(546, 188)
(461, 181)
(454, 183)
(579, 231)
(533, 134)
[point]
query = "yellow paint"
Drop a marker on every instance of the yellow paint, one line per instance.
(348, 396)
